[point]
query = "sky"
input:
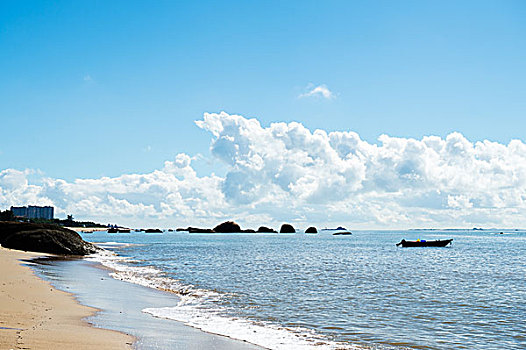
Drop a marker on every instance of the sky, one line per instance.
(372, 114)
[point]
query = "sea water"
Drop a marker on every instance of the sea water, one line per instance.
(295, 291)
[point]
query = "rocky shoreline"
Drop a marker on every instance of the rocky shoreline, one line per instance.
(43, 238)
(54, 239)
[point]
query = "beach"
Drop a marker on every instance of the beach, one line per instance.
(37, 313)
(269, 291)
(34, 315)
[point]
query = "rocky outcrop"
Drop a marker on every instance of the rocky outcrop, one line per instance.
(287, 228)
(344, 233)
(264, 229)
(200, 230)
(119, 230)
(311, 229)
(191, 229)
(227, 227)
(153, 230)
(44, 238)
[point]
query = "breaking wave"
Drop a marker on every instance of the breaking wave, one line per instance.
(199, 308)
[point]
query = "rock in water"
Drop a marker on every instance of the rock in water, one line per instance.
(44, 238)
(311, 229)
(264, 229)
(227, 227)
(191, 229)
(345, 233)
(287, 228)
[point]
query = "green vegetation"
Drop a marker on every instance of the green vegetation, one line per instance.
(69, 222)
(7, 215)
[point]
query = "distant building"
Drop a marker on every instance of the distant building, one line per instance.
(34, 212)
(19, 211)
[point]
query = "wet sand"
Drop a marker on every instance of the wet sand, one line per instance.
(34, 315)
(121, 304)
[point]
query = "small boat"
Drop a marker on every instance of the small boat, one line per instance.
(424, 243)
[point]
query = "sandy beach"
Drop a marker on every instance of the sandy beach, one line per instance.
(34, 315)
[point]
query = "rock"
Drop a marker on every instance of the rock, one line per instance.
(201, 230)
(191, 229)
(227, 227)
(311, 229)
(287, 228)
(44, 238)
(264, 229)
(153, 230)
(345, 233)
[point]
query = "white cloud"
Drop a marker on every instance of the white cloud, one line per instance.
(87, 77)
(460, 202)
(287, 173)
(321, 91)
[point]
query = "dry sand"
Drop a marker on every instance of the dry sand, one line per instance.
(34, 315)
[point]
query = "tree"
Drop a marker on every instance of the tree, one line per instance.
(7, 215)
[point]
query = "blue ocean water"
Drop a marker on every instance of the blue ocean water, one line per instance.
(322, 291)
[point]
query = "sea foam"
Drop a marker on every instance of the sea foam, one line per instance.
(198, 308)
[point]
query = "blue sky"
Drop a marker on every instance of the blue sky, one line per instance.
(89, 87)
(105, 88)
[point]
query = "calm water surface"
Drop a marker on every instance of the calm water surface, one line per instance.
(339, 290)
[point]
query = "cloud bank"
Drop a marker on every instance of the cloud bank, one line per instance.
(288, 173)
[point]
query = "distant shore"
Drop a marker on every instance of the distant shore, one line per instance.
(35, 315)
(87, 229)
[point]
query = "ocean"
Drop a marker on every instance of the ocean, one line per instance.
(303, 291)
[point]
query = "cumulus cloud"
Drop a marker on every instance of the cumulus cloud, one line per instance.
(320, 91)
(286, 172)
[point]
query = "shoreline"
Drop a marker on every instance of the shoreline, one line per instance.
(91, 284)
(34, 314)
(86, 229)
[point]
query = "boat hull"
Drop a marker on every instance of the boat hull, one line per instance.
(437, 243)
